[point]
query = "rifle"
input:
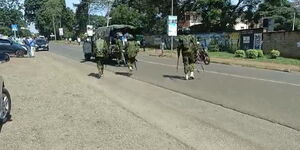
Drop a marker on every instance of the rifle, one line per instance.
(177, 64)
(135, 64)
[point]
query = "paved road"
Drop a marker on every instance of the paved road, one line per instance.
(269, 95)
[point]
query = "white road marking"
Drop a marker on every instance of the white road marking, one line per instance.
(227, 74)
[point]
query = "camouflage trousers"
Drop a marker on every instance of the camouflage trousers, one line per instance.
(100, 64)
(131, 61)
(189, 64)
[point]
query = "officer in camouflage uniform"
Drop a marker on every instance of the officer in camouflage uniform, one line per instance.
(120, 48)
(101, 48)
(132, 49)
(188, 48)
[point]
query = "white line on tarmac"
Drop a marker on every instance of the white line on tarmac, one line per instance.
(227, 74)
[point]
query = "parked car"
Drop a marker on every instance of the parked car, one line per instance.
(12, 48)
(42, 44)
(5, 100)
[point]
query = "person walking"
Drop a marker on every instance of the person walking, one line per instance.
(101, 48)
(132, 50)
(188, 49)
(143, 44)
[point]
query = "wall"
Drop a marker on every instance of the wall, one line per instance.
(228, 40)
(288, 43)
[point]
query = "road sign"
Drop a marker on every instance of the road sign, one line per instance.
(14, 27)
(172, 25)
(61, 31)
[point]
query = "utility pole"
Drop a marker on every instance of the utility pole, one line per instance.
(53, 22)
(294, 20)
(172, 38)
(108, 12)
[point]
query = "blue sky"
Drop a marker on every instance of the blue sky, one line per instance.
(71, 2)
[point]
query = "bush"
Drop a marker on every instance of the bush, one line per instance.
(275, 54)
(260, 53)
(252, 54)
(240, 53)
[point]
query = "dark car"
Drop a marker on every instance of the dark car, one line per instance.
(4, 57)
(42, 44)
(12, 48)
(5, 100)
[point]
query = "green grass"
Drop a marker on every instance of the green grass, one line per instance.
(266, 58)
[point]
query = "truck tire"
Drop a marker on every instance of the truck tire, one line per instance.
(87, 57)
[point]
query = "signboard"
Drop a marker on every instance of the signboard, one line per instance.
(14, 27)
(172, 25)
(61, 31)
(89, 31)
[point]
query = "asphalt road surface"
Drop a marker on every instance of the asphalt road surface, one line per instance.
(59, 103)
(270, 95)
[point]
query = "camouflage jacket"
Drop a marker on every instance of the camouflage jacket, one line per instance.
(187, 45)
(132, 49)
(101, 48)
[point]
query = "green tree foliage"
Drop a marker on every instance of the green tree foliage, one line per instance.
(154, 13)
(10, 13)
(123, 14)
(32, 7)
(82, 14)
(280, 10)
(97, 21)
(219, 15)
(46, 13)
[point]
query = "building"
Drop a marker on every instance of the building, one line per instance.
(190, 19)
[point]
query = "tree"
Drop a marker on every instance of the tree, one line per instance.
(154, 13)
(219, 15)
(123, 14)
(10, 13)
(32, 7)
(280, 10)
(97, 21)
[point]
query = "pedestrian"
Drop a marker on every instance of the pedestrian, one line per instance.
(78, 40)
(70, 40)
(132, 49)
(143, 44)
(32, 43)
(162, 47)
(120, 48)
(101, 48)
(188, 49)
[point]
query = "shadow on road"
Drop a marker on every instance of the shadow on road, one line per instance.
(173, 77)
(95, 75)
(127, 74)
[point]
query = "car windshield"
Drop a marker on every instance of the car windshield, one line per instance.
(41, 42)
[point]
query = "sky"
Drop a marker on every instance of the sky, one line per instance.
(71, 2)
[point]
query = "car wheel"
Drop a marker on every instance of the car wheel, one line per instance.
(5, 105)
(20, 53)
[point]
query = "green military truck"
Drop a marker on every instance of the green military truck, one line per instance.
(108, 34)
